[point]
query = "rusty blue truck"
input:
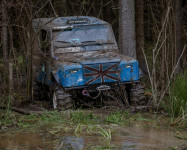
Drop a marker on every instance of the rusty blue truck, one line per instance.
(80, 54)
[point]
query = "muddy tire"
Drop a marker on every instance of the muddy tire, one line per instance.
(137, 94)
(117, 97)
(124, 95)
(61, 99)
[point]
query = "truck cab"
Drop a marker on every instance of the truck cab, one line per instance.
(79, 54)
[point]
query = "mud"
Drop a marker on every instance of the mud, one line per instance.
(123, 138)
(90, 56)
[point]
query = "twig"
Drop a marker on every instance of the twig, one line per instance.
(151, 80)
(53, 8)
(163, 94)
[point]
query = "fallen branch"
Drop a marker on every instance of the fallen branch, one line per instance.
(23, 111)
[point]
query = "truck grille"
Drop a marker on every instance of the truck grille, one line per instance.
(101, 73)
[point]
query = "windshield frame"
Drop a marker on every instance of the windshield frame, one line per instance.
(81, 44)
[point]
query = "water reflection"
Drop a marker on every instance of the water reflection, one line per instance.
(131, 138)
(71, 143)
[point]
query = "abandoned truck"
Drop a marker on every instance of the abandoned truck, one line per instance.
(80, 54)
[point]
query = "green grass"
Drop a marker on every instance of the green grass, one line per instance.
(78, 121)
(51, 117)
(83, 118)
(105, 132)
(6, 118)
(125, 117)
(116, 118)
(178, 99)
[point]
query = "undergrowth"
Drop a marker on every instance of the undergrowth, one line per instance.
(116, 117)
(84, 118)
(69, 119)
(178, 99)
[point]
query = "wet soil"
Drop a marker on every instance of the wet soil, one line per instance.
(137, 136)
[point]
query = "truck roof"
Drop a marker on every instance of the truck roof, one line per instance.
(47, 23)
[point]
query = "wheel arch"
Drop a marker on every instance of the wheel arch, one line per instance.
(55, 77)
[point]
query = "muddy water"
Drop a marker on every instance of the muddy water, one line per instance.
(132, 138)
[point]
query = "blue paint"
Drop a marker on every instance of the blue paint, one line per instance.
(41, 77)
(72, 66)
(61, 76)
(74, 74)
(129, 70)
(99, 61)
(73, 79)
(78, 74)
(71, 75)
(56, 58)
(74, 41)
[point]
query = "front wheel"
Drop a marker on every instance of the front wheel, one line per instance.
(137, 94)
(60, 99)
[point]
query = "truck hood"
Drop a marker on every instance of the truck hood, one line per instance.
(93, 57)
(95, 67)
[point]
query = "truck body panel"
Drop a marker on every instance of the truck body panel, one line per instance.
(80, 51)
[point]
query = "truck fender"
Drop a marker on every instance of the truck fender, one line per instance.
(55, 77)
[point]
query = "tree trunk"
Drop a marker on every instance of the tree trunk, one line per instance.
(139, 16)
(178, 20)
(60, 7)
(4, 38)
(127, 28)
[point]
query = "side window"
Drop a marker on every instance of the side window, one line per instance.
(45, 42)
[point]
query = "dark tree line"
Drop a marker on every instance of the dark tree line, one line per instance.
(153, 31)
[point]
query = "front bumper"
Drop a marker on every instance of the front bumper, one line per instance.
(93, 87)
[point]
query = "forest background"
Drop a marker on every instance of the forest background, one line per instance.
(160, 33)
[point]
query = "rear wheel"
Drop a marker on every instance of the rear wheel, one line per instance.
(137, 94)
(61, 99)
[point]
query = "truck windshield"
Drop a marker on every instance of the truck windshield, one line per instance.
(83, 35)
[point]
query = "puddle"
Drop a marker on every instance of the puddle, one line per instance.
(130, 138)
(133, 136)
(149, 138)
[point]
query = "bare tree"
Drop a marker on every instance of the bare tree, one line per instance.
(4, 37)
(60, 7)
(139, 16)
(178, 20)
(127, 42)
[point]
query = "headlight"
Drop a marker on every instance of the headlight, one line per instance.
(128, 66)
(129, 70)
(73, 71)
(73, 75)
